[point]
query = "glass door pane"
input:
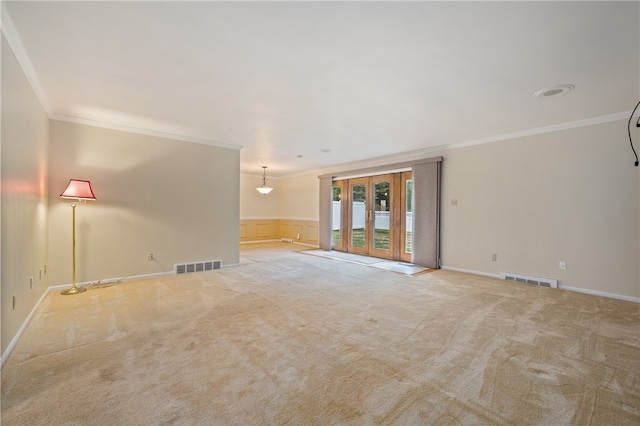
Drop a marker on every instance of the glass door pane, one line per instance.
(381, 219)
(358, 215)
(381, 216)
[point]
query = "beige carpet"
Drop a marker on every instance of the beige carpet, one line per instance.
(288, 338)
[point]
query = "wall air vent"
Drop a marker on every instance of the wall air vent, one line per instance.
(526, 279)
(206, 265)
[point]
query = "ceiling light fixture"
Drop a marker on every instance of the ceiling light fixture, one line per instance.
(554, 91)
(264, 189)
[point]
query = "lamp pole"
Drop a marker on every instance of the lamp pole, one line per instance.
(73, 289)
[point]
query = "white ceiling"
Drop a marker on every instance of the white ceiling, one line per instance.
(364, 79)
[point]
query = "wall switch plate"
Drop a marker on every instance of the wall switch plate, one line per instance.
(563, 266)
(150, 256)
(494, 257)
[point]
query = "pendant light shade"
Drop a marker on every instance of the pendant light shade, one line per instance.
(264, 189)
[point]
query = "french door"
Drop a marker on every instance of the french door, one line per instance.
(370, 216)
(370, 231)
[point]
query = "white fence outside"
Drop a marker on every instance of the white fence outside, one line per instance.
(360, 217)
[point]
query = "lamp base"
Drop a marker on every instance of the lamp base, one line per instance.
(73, 290)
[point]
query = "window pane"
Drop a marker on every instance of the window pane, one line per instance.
(381, 215)
(358, 215)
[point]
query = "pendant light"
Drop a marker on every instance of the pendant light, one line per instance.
(264, 189)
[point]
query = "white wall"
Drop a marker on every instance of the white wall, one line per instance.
(254, 205)
(570, 195)
(293, 197)
(23, 150)
(299, 197)
(174, 199)
(566, 196)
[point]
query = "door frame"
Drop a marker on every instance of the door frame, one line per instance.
(426, 204)
(396, 210)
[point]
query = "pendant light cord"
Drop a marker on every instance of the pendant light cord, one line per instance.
(629, 129)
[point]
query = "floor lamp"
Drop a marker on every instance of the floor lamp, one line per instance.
(76, 190)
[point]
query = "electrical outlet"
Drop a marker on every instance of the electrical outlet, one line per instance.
(454, 202)
(494, 257)
(562, 265)
(150, 256)
(298, 236)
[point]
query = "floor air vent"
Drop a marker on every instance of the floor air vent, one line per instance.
(207, 265)
(544, 282)
(287, 240)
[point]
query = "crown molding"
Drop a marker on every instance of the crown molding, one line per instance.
(439, 149)
(10, 33)
(147, 132)
(15, 43)
(541, 130)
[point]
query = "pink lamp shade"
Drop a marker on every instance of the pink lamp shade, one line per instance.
(78, 190)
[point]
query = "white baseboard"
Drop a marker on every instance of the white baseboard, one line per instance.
(142, 277)
(53, 288)
(560, 286)
(468, 271)
(278, 241)
(111, 280)
(21, 330)
(600, 293)
(306, 244)
(260, 241)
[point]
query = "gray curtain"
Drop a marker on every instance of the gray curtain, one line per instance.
(325, 224)
(426, 214)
